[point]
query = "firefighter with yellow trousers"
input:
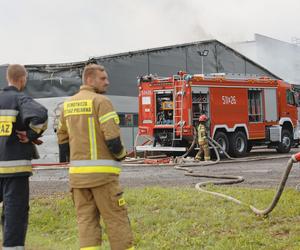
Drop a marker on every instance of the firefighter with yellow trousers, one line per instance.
(22, 122)
(202, 140)
(90, 125)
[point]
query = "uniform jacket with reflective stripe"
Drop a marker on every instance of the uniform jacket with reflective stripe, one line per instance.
(88, 120)
(18, 112)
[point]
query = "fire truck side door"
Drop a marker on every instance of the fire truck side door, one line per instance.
(255, 114)
(291, 107)
(271, 113)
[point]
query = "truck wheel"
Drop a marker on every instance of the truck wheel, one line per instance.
(221, 138)
(286, 142)
(238, 144)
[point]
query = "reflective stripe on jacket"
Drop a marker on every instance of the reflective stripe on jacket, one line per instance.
(88, 120)
(10, 167)
(95, 166)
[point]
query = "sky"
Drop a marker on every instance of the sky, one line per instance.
(59, 31)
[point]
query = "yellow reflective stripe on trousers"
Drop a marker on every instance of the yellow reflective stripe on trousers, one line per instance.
(94, 169)
(12, 170)
(8, 118)
(109, 116)
(92, 137)
(90, 248)
(132, 248)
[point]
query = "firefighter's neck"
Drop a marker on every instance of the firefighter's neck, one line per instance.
(17, 85)
(94, 88)
(90, 86)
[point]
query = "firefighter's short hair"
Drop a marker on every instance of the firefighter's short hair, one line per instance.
(15, 72)
(90, 69)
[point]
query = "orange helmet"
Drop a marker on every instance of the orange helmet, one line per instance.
(202, 118)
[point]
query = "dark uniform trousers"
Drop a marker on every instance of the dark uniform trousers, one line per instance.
(14, 193)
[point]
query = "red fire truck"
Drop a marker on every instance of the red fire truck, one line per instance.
(242, 111)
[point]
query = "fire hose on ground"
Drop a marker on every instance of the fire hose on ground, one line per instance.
(237, 179)
(227, 179)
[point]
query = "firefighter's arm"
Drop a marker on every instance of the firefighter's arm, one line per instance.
(116, 148)
(62, 130)
(63, 138)
(34, 116)
(109, 123)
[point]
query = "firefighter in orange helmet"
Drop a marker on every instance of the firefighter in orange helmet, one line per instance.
(202, 140)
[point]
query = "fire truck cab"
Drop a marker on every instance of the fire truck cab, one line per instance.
(242, 111)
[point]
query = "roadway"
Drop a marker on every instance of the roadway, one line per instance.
(264, 173)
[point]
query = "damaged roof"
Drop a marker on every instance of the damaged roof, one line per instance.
(64, 79)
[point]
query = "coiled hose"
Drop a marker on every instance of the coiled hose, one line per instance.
(238, 179)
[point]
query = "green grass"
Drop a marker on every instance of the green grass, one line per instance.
(179, 218)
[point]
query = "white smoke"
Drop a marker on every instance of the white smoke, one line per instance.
(35, 31)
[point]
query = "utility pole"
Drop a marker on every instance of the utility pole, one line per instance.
(202, 53)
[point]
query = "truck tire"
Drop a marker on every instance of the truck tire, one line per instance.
(286, 142)
(238, 144)
(221, 138)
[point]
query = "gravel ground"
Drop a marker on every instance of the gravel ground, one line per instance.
(258, 174)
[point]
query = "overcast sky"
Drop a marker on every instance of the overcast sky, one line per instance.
(57, 31)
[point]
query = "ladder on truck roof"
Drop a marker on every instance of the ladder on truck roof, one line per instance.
(178, 98)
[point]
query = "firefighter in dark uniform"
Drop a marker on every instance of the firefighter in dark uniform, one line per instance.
(202, 140)
(22, 122)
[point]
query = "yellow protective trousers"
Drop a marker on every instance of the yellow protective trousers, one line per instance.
(203, 149)
(106, 201)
